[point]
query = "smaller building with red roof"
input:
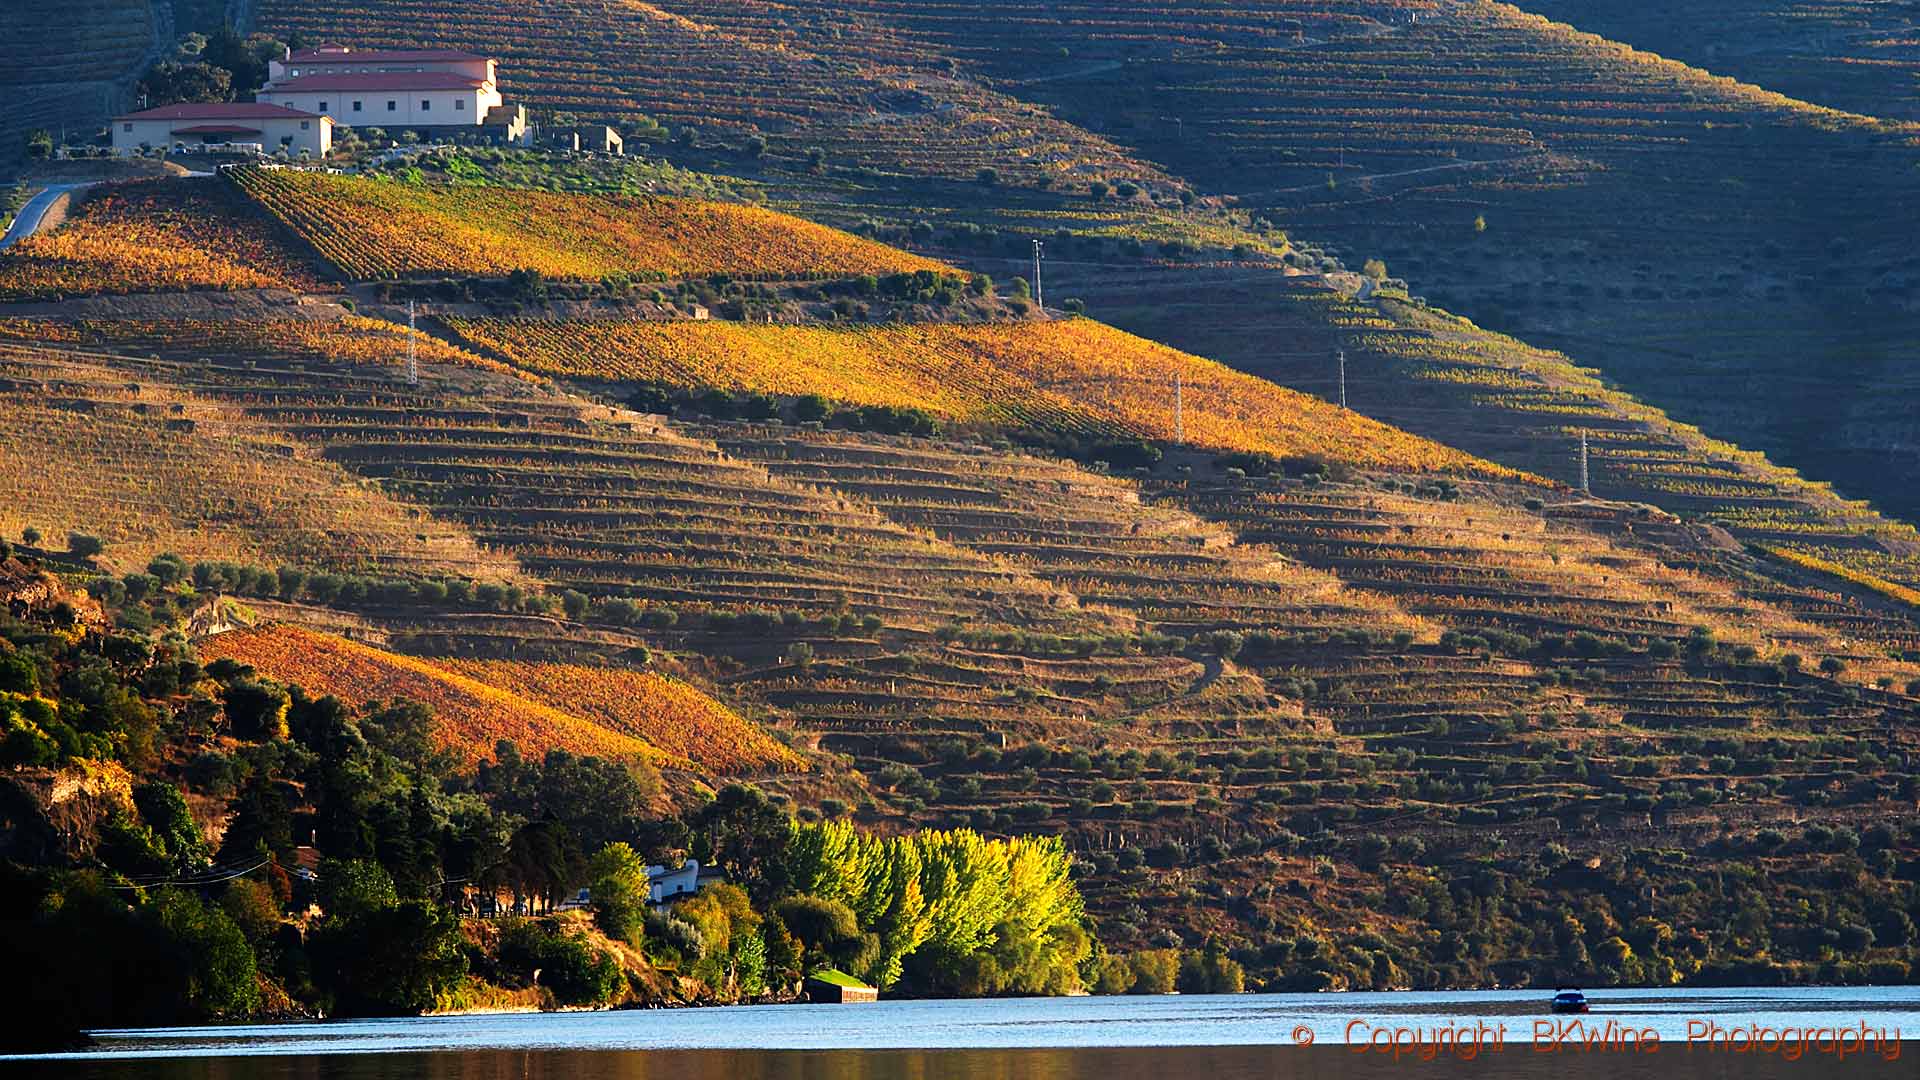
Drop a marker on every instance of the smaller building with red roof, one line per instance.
(272, 127)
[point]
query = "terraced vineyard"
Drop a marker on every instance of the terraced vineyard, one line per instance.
(645, 58)
(1073, 375)
(469, 714)
(1498, 398)
(1862, 57)
(1510, 182)
(658, 710)
(1013, 641)
(69, 65)
(154, 236)
(373, 229)
(1374, 685)
(139, 458)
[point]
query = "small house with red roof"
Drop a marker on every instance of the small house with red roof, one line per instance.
(247, 123)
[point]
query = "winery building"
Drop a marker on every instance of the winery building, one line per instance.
(244, 123)
(430, 91)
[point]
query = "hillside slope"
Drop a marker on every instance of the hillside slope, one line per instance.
(1862, 57)
(1236, 671)
(1675, 228)
(71, 66)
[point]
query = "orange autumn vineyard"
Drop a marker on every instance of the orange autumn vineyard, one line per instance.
(153, 236)
(662, 711)
(477, 703)
(1073, 374)
(384, 228)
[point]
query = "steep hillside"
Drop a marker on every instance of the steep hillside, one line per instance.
(1074, 376)
(646, 58)
(583, 710)
(149, 465)
(374, 229)
(1198, 666)
(71, 66)
(154, 236)
(1860, 56)
(1673, 227)
(1486, 393)
(469, 715)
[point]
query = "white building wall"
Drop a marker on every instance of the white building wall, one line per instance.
(391, 109)
(316, 138)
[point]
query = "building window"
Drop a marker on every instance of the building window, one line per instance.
(126, 127)
(356, 106)
(303, 125)
(322, 108)
(459, 104)
(393, 106)
(426, 105)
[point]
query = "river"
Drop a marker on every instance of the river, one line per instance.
(1816, 1032)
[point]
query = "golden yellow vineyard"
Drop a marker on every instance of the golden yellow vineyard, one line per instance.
(381, 228)
(1072, 374)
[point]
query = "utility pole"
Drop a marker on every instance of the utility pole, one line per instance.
(413, 361)
(1039, 294)
(1585, 486)
(1343, 378)
(1179, 410)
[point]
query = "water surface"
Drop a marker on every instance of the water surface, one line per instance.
(1654, 1034)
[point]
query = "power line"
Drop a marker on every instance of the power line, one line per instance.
(1343, 378)
(413, 362)
(200, 879)
(1585, 485)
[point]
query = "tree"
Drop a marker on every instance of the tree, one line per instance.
(827, 929)
(747, 834)
(84, 546)
(1375, 269)
(1155, 971)
(208, 952)
(171, 83)
(385, 961)
(617, 877)
(1210, 971)
(350, 888)
(39, 145)
(256, 710)
(164, 809)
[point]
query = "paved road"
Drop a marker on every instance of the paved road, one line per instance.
(27, 221)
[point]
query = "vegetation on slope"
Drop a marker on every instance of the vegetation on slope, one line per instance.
(470, 716)
(1486, 393)
(1849, 54)
(1072, 375)
(372, 228)
(148, 468)
(153, 236)
(1512, 174)
(656, 709)
(160, 814)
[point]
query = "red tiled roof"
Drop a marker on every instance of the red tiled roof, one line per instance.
(216, 129)
(224, 110)
(342, 54)
(374, 80)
